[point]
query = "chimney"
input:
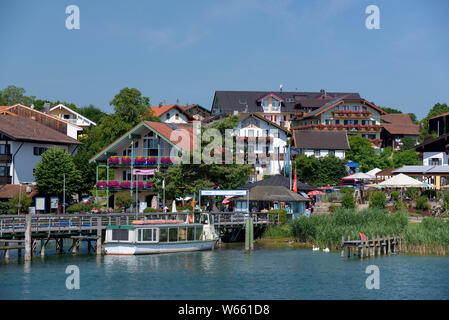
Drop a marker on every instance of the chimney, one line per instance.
(160, 104)
(46, 107)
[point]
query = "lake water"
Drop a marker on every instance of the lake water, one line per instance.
(226, 273)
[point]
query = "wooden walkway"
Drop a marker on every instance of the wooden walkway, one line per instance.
(376, 245)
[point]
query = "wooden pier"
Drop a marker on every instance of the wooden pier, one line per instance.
(25, 231)
(375, 245)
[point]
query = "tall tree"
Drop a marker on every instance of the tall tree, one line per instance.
(129, 104)
(12, 95)
(49, 173)
(92, 113)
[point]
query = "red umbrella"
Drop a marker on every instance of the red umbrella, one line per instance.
(314, 193)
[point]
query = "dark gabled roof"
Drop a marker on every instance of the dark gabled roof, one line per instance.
(324, 140)
(278, 180)
(399, 123)
(272, 193)
(438, 144)
(228, 101)
(25, 129)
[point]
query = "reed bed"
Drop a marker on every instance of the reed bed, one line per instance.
(431, 236)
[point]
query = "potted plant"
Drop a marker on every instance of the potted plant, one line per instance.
(148, 184)
(113, 184)
(102, 184)
(151, 160)
(113, 160)
(126, 160)
(139, 160)
(125, 184)
(139, 184)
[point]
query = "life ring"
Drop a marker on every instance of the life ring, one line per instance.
(190, 218)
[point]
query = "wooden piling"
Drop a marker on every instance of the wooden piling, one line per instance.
(384, 245)
(342, 247)
(349, 247)
(247, 235)
(28, 247)
(98, 235)
(6, 251)
(389, 245)
(378, 245)
(251, 234)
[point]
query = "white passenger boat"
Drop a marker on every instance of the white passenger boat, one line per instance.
(161, 236)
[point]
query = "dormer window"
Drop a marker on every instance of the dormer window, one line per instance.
(265, 103)
(168, 115)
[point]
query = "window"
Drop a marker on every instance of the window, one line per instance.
(67, 116)
(148, 235)
(172, 234)
(4, 171)
(275, 103)
(5, 149)
(120, 234)
(163, 233)
(250, 133)
(150, 142)
(198, 232)
(236, 132)
(127, 151)
(316, 153)
(331, 152)
(435, 162)
(177, 116)
(168, 115)
(337, 121)
(182, 234)
(191, 233)
(265, 103)
(37, 151)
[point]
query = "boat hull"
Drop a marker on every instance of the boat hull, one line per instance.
(154, 248)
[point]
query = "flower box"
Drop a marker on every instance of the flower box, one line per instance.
(166, 160)
(113, 160)
(125, 184)
(148, 185)
(139, 160)
(126, 160)
(139, 184)
(113, 184)
(102, 184)
(151, 160)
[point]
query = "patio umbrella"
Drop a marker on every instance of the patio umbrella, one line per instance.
(360, 175)
(226, 200)
(173, 209)
(402, 181)
(314, 193)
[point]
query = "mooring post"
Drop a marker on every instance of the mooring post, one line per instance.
(349, 247)
(342, 247)
(251, 234)
(400, 243)
(389, 244)
(247, 235)
(373, 248)
(75, 246)
(378, 245)
(99, 235)
(6, 251)
(28, 249)
(367, 247)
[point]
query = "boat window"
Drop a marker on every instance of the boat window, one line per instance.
(182, 234)
(139, 235)
(120, 234)
(147, 235)
(173, 234)
(163, 235)
(198, 232)
(191, 233)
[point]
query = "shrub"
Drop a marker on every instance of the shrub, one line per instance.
(446, 201)
(282, 215)
(422, 204)
(411, 193)
(80, 208)
(149, 210)
(395, 195)
(25, 202)
(399, 205)
(347, 200)
(4, 207)
(378, 200)
(123, 200)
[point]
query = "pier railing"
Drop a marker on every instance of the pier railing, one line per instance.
(10, 224)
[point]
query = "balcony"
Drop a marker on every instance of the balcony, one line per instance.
(341, 127)
(5, 180)
(117, 185)
(5, 158)
(143, 162)
(346, 114)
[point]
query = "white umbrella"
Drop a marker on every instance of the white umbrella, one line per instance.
(374, 171)
(154, 203)
(173, 209)
(360, 175)
(402, 181)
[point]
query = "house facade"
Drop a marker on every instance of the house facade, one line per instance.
(197, 112)
(60, 111)
(396, 127)
(435, 152)
(264, 143)
(135, 157)
(347, 113)
(22, 142)
(277, 106)
(172, 113)
(320, 143)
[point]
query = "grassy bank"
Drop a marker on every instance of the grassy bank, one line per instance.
(431, 236)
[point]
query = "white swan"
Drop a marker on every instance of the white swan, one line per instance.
(315, 248)
(326, 250)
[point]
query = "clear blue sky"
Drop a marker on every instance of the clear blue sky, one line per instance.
(189, 49)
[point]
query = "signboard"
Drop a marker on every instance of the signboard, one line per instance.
(31, 210)
(40, 203)
(218, 192)
(54, 202)
(145, 172)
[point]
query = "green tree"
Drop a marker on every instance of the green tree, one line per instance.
(407, 143)
(92, 113)
(129, 104)
(25, 202)
(390, 110)
(408, 157)
(12, 95)
(378, 200)
(436, 110)
(49, 173)
(347, 199)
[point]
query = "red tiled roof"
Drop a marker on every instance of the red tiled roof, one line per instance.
(10, 190)
(160, 110)
(399, 123)
(166, 131)
(440, 115)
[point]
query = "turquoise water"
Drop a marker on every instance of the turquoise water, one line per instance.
(226, 273)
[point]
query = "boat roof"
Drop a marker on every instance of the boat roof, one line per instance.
(154, 225)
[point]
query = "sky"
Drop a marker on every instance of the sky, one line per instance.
(187, 50)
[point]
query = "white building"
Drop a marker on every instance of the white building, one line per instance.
(171, 113)
(22, 142)
(62, 112)
(261, 139)
(320, 143)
